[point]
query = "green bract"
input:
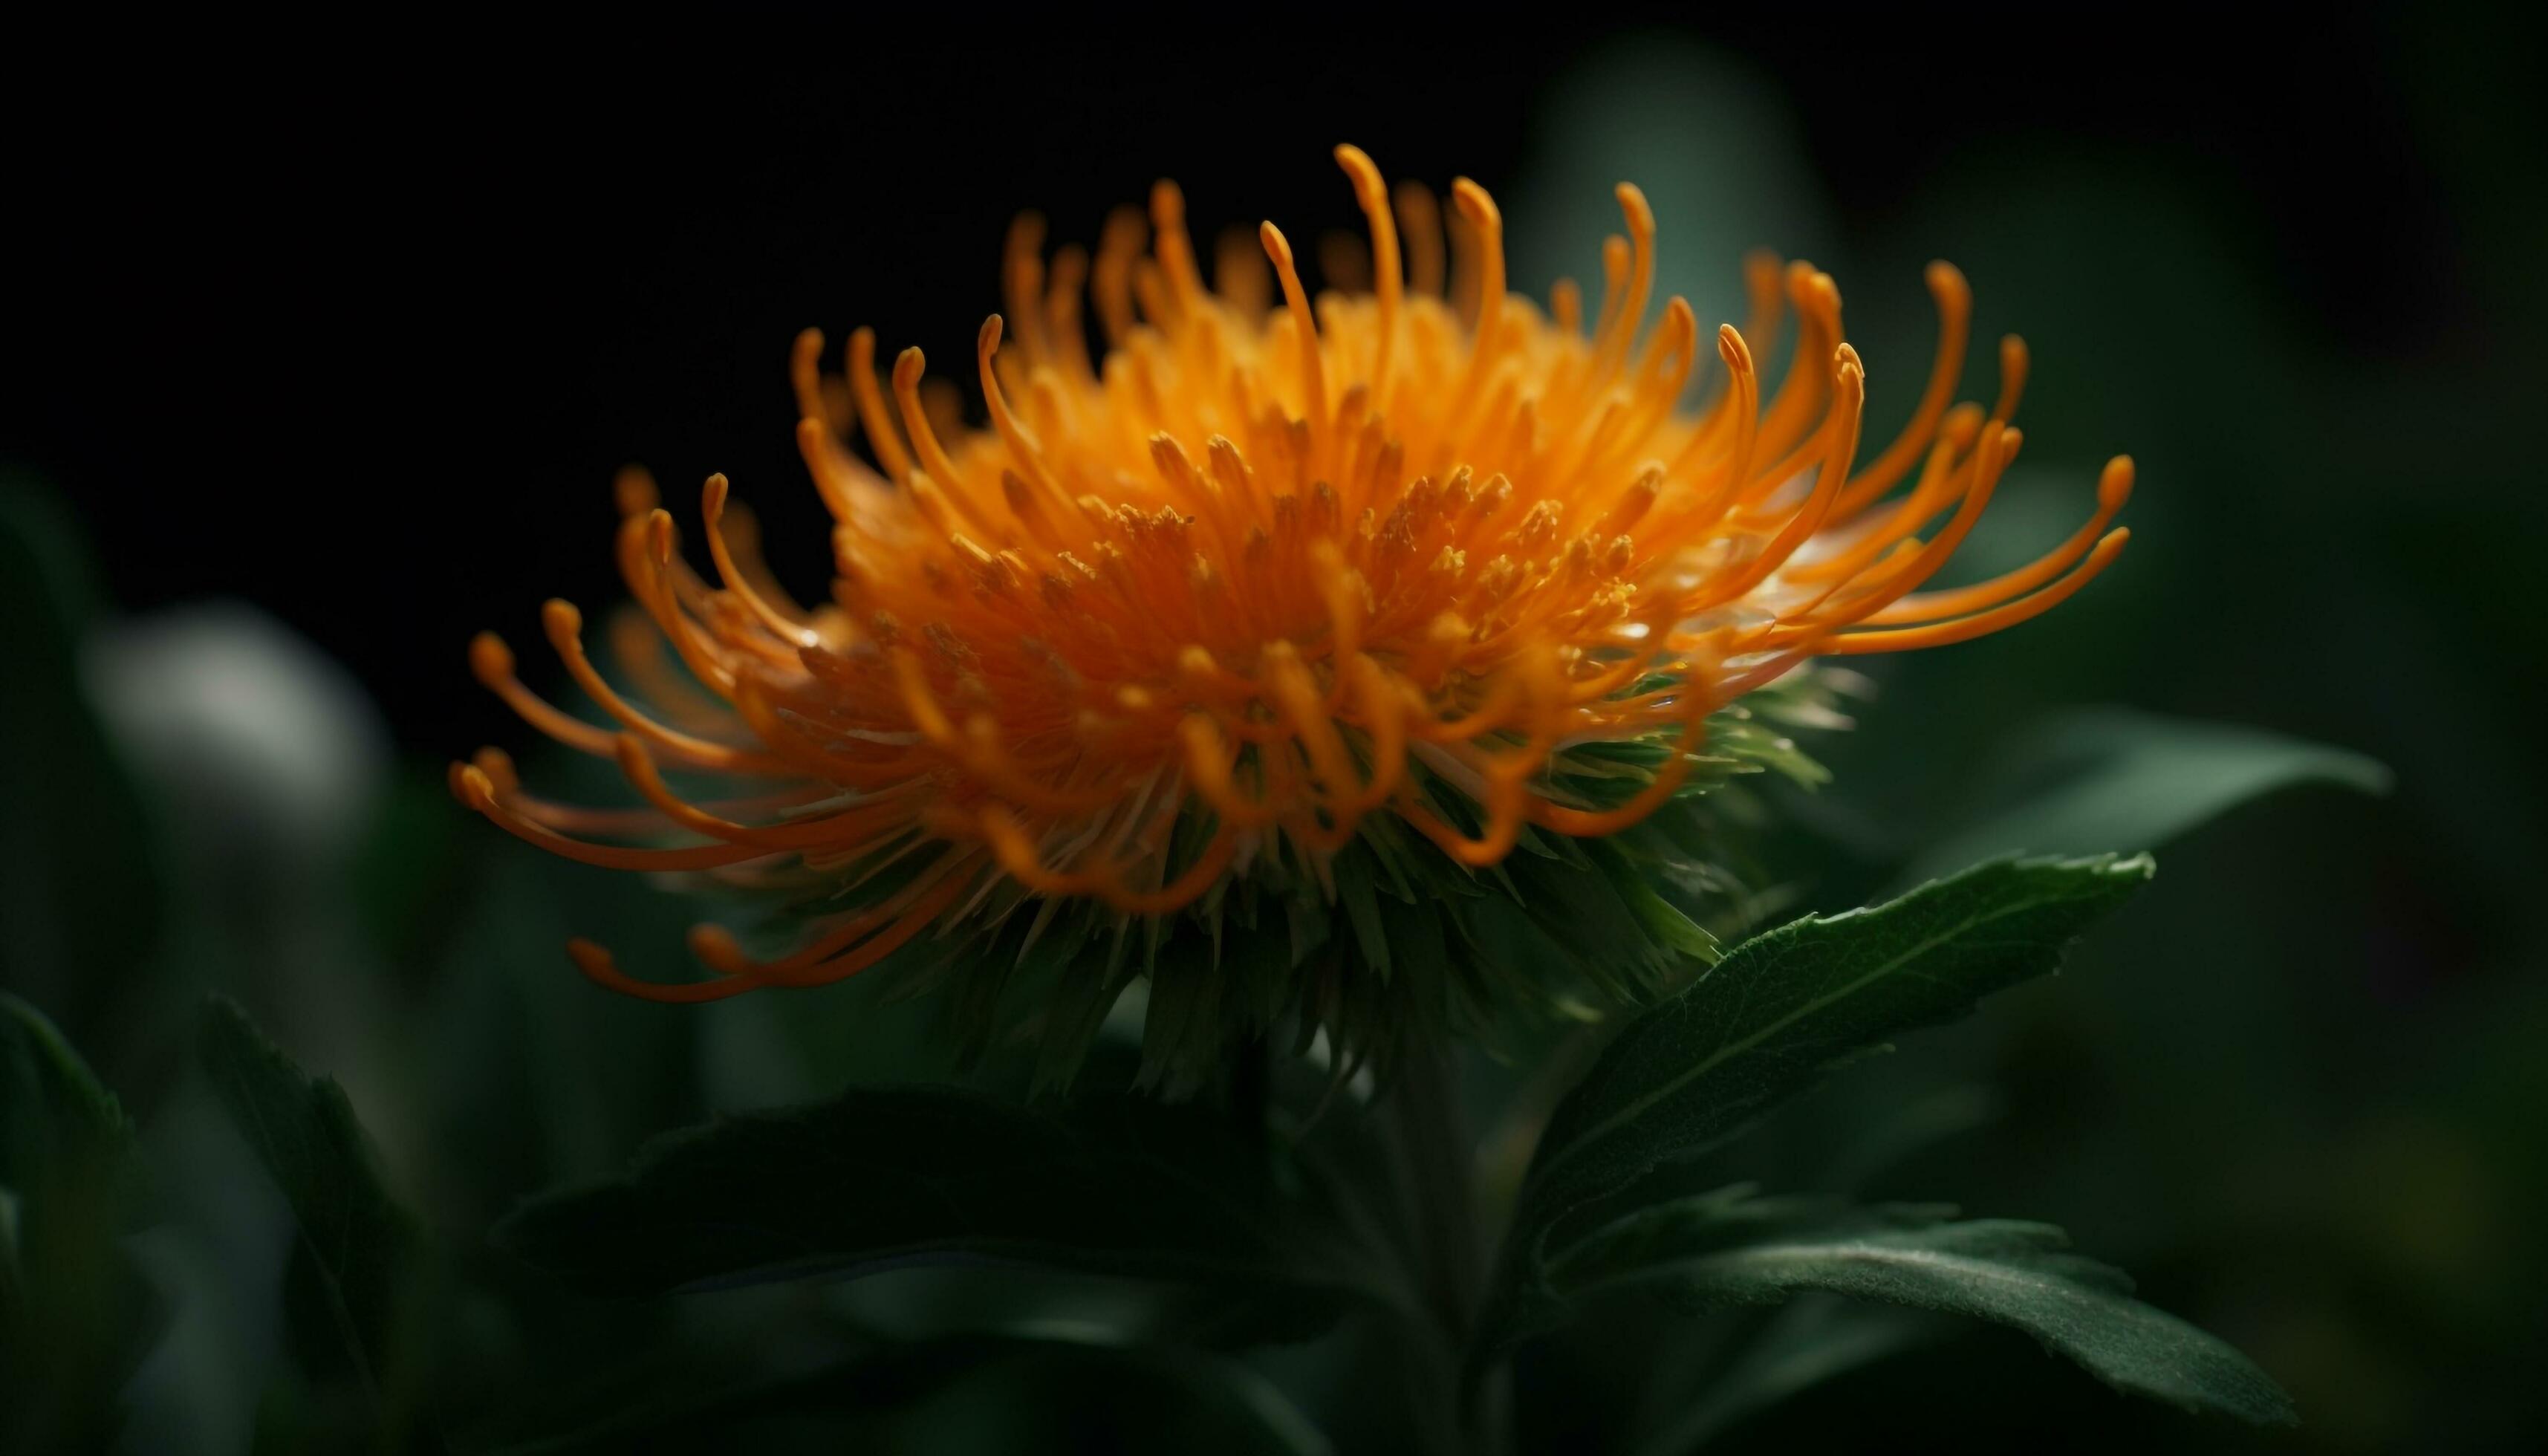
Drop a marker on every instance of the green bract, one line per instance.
(1388, 944)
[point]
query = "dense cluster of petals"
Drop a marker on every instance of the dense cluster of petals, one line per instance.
(1265, 566)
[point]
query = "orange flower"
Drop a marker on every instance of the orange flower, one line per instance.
(1268, 573)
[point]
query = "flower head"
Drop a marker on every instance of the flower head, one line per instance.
(1280, 617)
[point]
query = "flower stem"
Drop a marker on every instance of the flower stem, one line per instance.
(1431, 1127)
(1251, 1088)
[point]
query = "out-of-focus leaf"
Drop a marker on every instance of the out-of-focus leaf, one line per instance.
(538, 1073)
(1719, 153)
(970, 1394)
(2109, 779)
(363, 1249)
(1811, 1340)
(1731, 1248)
(80, 873)
(882, 1178)
(1906, 1129)
(74, 1316)
(1785, 1007)
(54, 1115)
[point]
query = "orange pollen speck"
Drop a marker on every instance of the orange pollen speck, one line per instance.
(1269, 564)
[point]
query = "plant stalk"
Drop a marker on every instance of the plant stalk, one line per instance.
(1431, 1128)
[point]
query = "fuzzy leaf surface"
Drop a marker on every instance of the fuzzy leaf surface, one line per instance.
(1729, 1248)
(1787, 1005)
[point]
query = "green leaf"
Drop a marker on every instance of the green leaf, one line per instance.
(81, 882)
(973, 1392)
(1903, 1129)
(2107, 779)
(76, 1316)
(884, 1178)
(55, 1116)
(1804, 1344)
(1729, 1248)
(1783, 1007)
(363, 1248)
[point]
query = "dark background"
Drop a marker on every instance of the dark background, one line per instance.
(357, 327)
(417, 295)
